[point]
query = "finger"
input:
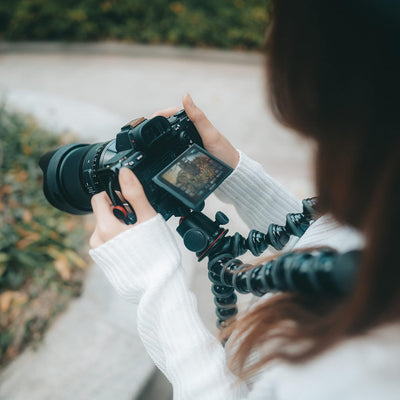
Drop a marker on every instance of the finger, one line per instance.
(95, 240)
(102, 197)
(101, 205)
(207, 130)
(166, 112)
(133, 192)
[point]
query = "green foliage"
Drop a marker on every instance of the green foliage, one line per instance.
(224, 23)
(39, 261)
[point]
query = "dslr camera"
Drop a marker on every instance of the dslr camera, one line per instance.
(166, 155)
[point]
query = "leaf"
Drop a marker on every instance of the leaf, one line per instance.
(27, 150)
(12, 352)
(20, 298)
(3, 269)
(21, 176)
(3, 259)
(54, 252)
(6, 189)
(5, 300)
(23, 232)
(25, 242)
(62, 267)
(54, 235)
(75, 259)
(26, 216)
(15, 279)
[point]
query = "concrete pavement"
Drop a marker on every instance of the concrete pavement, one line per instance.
(92, 351)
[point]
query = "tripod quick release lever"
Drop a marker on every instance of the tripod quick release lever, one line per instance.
(221, 218)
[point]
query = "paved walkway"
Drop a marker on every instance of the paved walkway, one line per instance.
(92, 351)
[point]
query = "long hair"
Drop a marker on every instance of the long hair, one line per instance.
(333, 74)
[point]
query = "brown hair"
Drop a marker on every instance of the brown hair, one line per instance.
(333, 75)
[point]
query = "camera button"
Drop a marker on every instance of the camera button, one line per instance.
(184, 138)
(172, 119)
(120, 212)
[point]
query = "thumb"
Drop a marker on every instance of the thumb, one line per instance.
(206, 129)
(133, 192)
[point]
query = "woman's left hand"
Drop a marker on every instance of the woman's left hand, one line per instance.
(107, 225)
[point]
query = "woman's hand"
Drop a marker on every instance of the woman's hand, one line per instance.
(107, 225)
(214, 142)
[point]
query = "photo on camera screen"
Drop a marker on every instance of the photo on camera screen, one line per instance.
(193, 176)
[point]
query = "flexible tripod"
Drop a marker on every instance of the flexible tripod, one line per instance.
(322, 272)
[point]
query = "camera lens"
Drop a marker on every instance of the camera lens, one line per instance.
(68, 178)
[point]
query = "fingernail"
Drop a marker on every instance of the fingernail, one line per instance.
(190, 100)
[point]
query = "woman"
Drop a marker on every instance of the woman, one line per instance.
(333, 75)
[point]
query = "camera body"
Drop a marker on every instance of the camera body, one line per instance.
(145, 147)
(74, 173)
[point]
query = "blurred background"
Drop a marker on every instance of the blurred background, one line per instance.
(77, 71)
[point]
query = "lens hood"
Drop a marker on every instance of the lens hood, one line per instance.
(61, 183)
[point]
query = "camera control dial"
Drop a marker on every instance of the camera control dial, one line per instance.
(195, 240)
(185, 139)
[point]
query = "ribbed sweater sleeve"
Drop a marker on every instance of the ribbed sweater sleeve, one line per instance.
(143, 265)
(258, 198)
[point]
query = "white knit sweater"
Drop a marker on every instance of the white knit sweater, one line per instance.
(143, 264)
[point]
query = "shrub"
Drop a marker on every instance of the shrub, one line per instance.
(40, 268)
(226, 23)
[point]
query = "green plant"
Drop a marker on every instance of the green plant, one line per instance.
(225, 23)
(40, 267)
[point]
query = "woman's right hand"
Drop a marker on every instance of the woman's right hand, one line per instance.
(214, 142)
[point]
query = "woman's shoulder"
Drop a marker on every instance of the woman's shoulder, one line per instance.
(363, 367)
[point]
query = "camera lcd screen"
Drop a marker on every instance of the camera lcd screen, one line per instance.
(193, 176)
